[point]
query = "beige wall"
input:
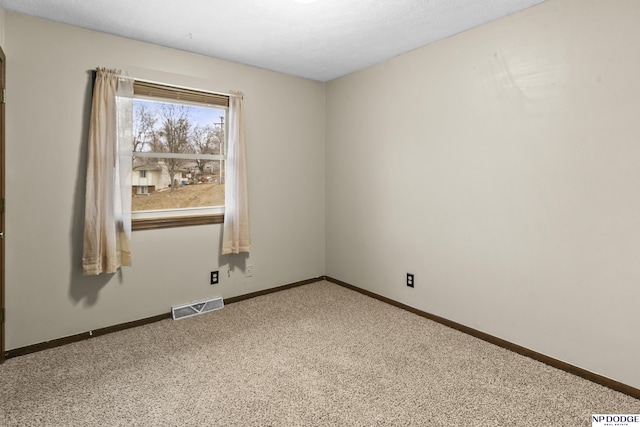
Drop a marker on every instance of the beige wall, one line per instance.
(501, 167)
(48, 82)
(1, 27)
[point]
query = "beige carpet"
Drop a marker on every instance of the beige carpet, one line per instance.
(316, 355)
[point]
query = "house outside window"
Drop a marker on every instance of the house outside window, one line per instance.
(179, 152)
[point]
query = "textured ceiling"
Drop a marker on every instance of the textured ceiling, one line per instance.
(319, 40)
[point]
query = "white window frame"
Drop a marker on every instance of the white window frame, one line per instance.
(163, 218)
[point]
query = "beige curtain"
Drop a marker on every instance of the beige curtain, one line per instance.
(235, 235)
(107, 224)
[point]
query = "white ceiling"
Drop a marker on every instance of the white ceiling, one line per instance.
(319, 40)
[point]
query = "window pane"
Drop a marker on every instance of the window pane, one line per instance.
(176, 183)
(161, 181)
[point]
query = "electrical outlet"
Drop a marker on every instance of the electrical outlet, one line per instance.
(249, 271)
(214, 277)
(410, 280)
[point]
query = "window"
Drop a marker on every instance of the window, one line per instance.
(179, 151)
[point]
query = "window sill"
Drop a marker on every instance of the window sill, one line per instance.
(176, 221)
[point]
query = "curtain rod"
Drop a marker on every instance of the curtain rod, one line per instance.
(124, 74)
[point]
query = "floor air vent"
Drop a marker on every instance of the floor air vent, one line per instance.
(195, 308)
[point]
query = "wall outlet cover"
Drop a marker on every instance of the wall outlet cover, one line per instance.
(410, 280)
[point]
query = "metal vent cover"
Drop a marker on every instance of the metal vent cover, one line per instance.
(195, 308)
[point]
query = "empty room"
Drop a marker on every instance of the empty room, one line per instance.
(301, 213)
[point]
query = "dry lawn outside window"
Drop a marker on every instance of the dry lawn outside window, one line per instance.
(185, 196)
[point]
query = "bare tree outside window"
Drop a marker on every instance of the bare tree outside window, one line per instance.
(209, 139)
(173, 137)
(143, 127)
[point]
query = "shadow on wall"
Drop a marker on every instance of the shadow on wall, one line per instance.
(232, 261)
(83, 288)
